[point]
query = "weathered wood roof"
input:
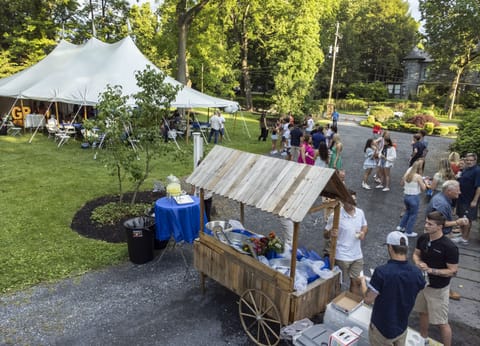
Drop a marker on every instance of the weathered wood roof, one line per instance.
(277, 186)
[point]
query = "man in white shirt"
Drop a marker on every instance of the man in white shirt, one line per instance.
(215, 125)
(352, 229)
(222, 126)
(310, 125)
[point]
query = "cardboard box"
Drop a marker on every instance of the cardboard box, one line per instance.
(343, 337)
(316, 335)
(347, 302)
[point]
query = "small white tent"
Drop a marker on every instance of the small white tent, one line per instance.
(77, 74)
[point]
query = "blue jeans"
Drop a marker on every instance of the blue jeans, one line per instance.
(215, 134)
(412, 203)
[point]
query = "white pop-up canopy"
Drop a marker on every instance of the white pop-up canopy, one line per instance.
(79, 73)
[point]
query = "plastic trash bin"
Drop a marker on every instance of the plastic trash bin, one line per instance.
(140, 238)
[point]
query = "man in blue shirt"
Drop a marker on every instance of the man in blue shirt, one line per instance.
(467, 203)
(393, 288)
(442, 202)
(335, 117)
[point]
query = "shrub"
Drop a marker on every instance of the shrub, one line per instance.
(371, 119)
(393, 126)
(414, 129)
(441, 130)
(381, 113)
(366, 123)
(420, 120)
(468, 136)
(452, 130)
(352, 104)
(428, 127)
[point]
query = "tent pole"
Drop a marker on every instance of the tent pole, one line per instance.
(85, 112)
(56, 110)
(246, 127)
(23, 113)
(188, 126)
(4, 120)
(40, 123)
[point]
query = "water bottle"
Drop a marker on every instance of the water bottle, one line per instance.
(427, 280)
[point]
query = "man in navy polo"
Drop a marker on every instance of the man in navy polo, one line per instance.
(393, 288)
(318, 137)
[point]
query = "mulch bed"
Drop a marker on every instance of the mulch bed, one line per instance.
(83, 225)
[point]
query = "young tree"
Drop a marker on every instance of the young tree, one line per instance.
(152, 106)
(453, 38)
(132, 131)
(113, 114)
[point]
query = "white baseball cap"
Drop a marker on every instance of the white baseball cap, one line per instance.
(395, 238)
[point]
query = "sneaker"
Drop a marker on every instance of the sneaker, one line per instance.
(366, 186)
(460, 240)
(411, 235)
(379, 186)
(378, 180)
(386, 189)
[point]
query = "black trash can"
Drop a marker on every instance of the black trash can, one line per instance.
(140, 238)
(157, 243)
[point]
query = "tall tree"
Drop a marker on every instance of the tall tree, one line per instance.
(29, 29)
(185, 13)
(296, 51)
(453, 38)
(375, 36)
(248, 28)
(144, 31)
(106, 17)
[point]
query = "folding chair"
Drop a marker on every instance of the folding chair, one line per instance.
(12, 129)
(51, 130)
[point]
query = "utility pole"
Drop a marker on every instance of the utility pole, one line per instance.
(334, 52)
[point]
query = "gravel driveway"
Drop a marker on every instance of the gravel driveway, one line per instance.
(160, 303)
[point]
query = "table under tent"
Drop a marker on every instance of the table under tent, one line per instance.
(288, 189)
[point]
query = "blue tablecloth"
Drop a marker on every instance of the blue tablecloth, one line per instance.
(180, 221)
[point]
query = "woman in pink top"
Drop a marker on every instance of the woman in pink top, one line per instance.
(307, 153)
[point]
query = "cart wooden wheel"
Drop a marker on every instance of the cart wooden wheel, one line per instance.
(260, 317)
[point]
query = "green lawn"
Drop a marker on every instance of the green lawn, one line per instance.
(42, 187)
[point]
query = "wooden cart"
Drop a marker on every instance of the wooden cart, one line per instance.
(268, 299)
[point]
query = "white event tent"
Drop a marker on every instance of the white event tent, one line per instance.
(77, 74)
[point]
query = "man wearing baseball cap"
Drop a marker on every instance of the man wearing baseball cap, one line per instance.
(393, 288)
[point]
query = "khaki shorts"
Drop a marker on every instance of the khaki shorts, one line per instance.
(377, 338)
(295, 151)
(350, 269)
(434, 302)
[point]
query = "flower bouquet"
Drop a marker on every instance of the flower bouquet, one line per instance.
(265, 246)
(274, 243)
